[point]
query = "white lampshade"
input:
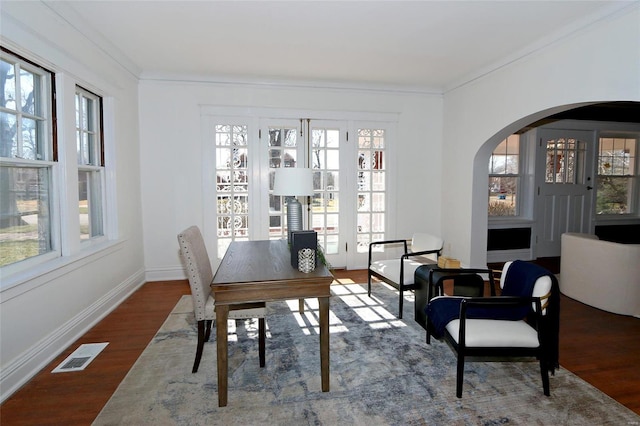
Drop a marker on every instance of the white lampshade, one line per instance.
(293, 181)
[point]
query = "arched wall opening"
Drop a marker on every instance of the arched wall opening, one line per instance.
(627, 112)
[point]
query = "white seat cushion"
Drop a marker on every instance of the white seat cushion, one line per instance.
(239, 314)
(391, 269)
(487, 333)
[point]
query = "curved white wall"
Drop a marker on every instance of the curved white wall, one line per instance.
(601, 63)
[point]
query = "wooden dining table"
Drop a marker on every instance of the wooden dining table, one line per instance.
(261, 271)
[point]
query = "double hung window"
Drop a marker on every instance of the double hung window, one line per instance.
(504, 178)
(617, 175)
(90, 163)
(45, 213)
(27, 160)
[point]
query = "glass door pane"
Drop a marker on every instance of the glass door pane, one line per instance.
(325, 162)
(285, 150)
(371, 181)
(232, 184)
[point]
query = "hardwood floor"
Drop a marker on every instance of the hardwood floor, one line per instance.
(76, 398)
(600, 347)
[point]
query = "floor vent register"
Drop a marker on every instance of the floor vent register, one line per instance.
(80, 358)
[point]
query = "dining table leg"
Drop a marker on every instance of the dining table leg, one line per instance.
(324, 342)
(222, 314)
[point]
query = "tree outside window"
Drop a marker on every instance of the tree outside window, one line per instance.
(504, 178)
(616, 175)
(26, 160)
(90, 155)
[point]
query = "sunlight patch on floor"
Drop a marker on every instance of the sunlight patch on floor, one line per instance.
(370, 309)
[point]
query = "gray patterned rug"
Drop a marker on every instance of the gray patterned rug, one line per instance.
(382, 373)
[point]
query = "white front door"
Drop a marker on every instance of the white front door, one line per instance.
(564, 199)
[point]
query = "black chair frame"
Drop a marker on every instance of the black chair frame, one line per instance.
(501, 302)
(400, 285)
(445, 274)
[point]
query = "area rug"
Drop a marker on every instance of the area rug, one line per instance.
(382, 373)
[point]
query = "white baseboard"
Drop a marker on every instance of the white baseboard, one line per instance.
(165, 274)
(16, 374)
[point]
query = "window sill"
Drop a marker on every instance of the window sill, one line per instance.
(616, 219)
(20, 282)
(510, 222)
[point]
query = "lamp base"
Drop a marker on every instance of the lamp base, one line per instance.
(294, 217)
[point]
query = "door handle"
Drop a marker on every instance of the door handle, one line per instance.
(589, 188)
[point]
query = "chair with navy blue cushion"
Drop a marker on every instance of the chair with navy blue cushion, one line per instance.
(522, 321)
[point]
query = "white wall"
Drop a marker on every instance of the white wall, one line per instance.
(601, 63)
(171, 148)
(46, 311)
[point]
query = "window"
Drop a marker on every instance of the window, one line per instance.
(617, 175)
(565, 159)
(90, 163)
(504, 178)
(27, 158)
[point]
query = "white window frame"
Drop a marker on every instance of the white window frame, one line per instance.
(62, 164)
(517, 176)
(634, 195)
(46, 158)
(92, 164)
(526, 186)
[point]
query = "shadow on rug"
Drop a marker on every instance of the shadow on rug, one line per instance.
(382, 373)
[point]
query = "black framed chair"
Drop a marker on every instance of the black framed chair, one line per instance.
(399, 271)
(523, 321)
(198, 267)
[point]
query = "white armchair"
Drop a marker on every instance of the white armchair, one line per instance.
(399, 271)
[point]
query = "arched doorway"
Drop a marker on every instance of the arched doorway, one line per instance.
(520, 236)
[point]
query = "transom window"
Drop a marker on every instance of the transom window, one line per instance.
(504, 177)
(617, 175)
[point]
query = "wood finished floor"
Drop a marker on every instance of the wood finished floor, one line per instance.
(600, 347)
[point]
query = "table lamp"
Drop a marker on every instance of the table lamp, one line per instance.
(293, 182)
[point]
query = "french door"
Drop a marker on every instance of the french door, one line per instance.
(315, 144)
(348, 208)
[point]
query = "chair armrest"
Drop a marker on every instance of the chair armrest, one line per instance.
(496, 302)
(374, 243)
(420, 253)
(451, 272)
(388, 242)
(500, 302)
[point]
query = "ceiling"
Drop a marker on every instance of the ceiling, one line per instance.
(417, 45)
